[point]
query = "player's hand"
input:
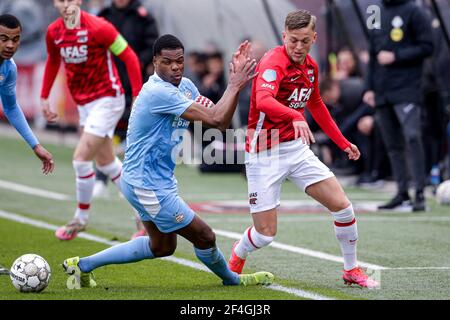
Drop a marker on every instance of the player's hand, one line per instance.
(385, 57)
(242, 74)
(241, 55)
(46, 157)
(301, 129)
(369, 98)
(48, 114)
(353, 152)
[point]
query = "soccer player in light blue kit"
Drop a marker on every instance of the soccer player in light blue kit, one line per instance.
(10, 30)
(162, 111)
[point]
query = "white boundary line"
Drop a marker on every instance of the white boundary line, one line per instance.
(310, 218)
(227, 197)
(232, 235)
(324, 256)
(33, 191)
(185, 262)
(303, 251)
(12, 186)
(420, 268)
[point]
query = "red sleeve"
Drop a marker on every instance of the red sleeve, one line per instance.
(108, 34)
(267, 84)
(276, 111)
(51, 66)
(322, 116)
(131, 61)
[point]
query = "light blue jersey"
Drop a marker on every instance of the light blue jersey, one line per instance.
(8, 76)
(155, 130)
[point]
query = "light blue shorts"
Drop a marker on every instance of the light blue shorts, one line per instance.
(162, 207)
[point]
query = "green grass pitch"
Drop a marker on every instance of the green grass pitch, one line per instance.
(413, 247)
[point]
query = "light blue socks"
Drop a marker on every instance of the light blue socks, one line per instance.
(215, 261)
(134, 250)
(139, 249)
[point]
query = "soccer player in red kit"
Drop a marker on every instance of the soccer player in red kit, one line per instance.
(85, 43)
(278, 140)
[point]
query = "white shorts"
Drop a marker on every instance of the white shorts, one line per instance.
(267, 170)
(101, 116)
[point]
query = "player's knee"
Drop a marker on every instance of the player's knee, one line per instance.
(108, 167)
(340, 204)
(267, 230)
(83, 153)
(83, 168)
(207, 237)
(346, 214)
(259, 239)
(163, 250)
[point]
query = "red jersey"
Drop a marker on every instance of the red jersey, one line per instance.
(90, 69)
(280, 93)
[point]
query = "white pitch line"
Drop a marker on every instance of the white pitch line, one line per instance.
(303, 251)
(276, 287)
(317, 254)
(33, 191)
(420, 268)
(325, 256)
(298, 292)
(300, 218)
(287, 196)
(43, 225)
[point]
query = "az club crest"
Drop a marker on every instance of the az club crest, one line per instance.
(311, 75)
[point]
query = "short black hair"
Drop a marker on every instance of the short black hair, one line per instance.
(215, 55)
(166, 41)
(9, 21)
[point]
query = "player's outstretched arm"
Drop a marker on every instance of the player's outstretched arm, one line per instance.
(15, 115)
(50, 73)
(46, 157)
(322, 116)
(241, 72)
(118, 46)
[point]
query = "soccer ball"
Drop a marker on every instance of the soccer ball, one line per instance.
(443, 193)
(30, 273)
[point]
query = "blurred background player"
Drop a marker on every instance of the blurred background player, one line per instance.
(394, 80)
(162, 112)
(86, 43)
(278, 142)
(138, 26)
(10, 31)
